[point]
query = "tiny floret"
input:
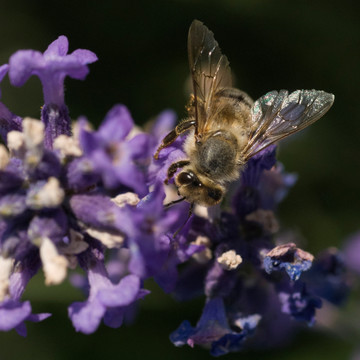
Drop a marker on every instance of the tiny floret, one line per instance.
(205, 255)
(290, 258)
(45, 195)
(229, 260)
(67, 146)
(34, 132)
(54, 264)
(109, 240)
(128, 198)
(4, 157)
(16, 142)
(76, 245)
(6, 265)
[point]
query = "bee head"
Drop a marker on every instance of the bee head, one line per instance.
(198, 189)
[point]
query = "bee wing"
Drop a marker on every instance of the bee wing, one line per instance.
(209, 68)
(277, 115)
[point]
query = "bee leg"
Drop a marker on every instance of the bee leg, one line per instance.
(191, 210)
(171, 136)
(191, 104)
(174, 167)
(171, 203)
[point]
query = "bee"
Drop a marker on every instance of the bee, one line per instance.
(226, 128)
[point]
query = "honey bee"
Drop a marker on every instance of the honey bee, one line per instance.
(226, 128)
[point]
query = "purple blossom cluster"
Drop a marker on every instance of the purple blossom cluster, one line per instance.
(72, 197)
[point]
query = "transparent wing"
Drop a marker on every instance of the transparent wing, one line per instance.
(277, 115)
(209, 68)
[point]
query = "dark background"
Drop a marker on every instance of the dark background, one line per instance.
(141, 47)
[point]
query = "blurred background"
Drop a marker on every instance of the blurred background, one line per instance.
(142, 52)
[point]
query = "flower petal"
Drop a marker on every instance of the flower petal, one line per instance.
(122, 294)
(13, 313)
(86, 316)
(58, 47)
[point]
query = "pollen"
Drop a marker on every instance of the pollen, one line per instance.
(50, 195)
(54, 264)
(67, 146)
(229, 260)
(4, 157)
(6, 265)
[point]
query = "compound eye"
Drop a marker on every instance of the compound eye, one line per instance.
(185, 178)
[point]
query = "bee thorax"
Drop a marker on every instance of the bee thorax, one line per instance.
(217, 157)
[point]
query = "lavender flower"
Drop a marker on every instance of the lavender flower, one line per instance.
(51, 67)
(13, 312)
(288, 257)
(329, 276)
(112, 155)
(8, 121)
(150, 240)
(47, 191)
(3, 71)
(214, 330)
(106, 300)
(297, 302)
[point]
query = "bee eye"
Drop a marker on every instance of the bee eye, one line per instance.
(185, 178)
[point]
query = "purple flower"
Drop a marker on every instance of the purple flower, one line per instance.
(8, 121)
(113, 155)
(264, 160)
(42, 213)
(219, 282)
(80, 175)
(158, 168)
(233, 342)
(13, 312)
(298, 302)
(3, 71)
(248, 198)
(150, 239)
(328, 277)
(51, 224)
(12, 205)
(213, 330)
(104, 214)
(274, 185)
(189, 284)
(290, 258)
(164, 123)
(51, 67)
(106, 300)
